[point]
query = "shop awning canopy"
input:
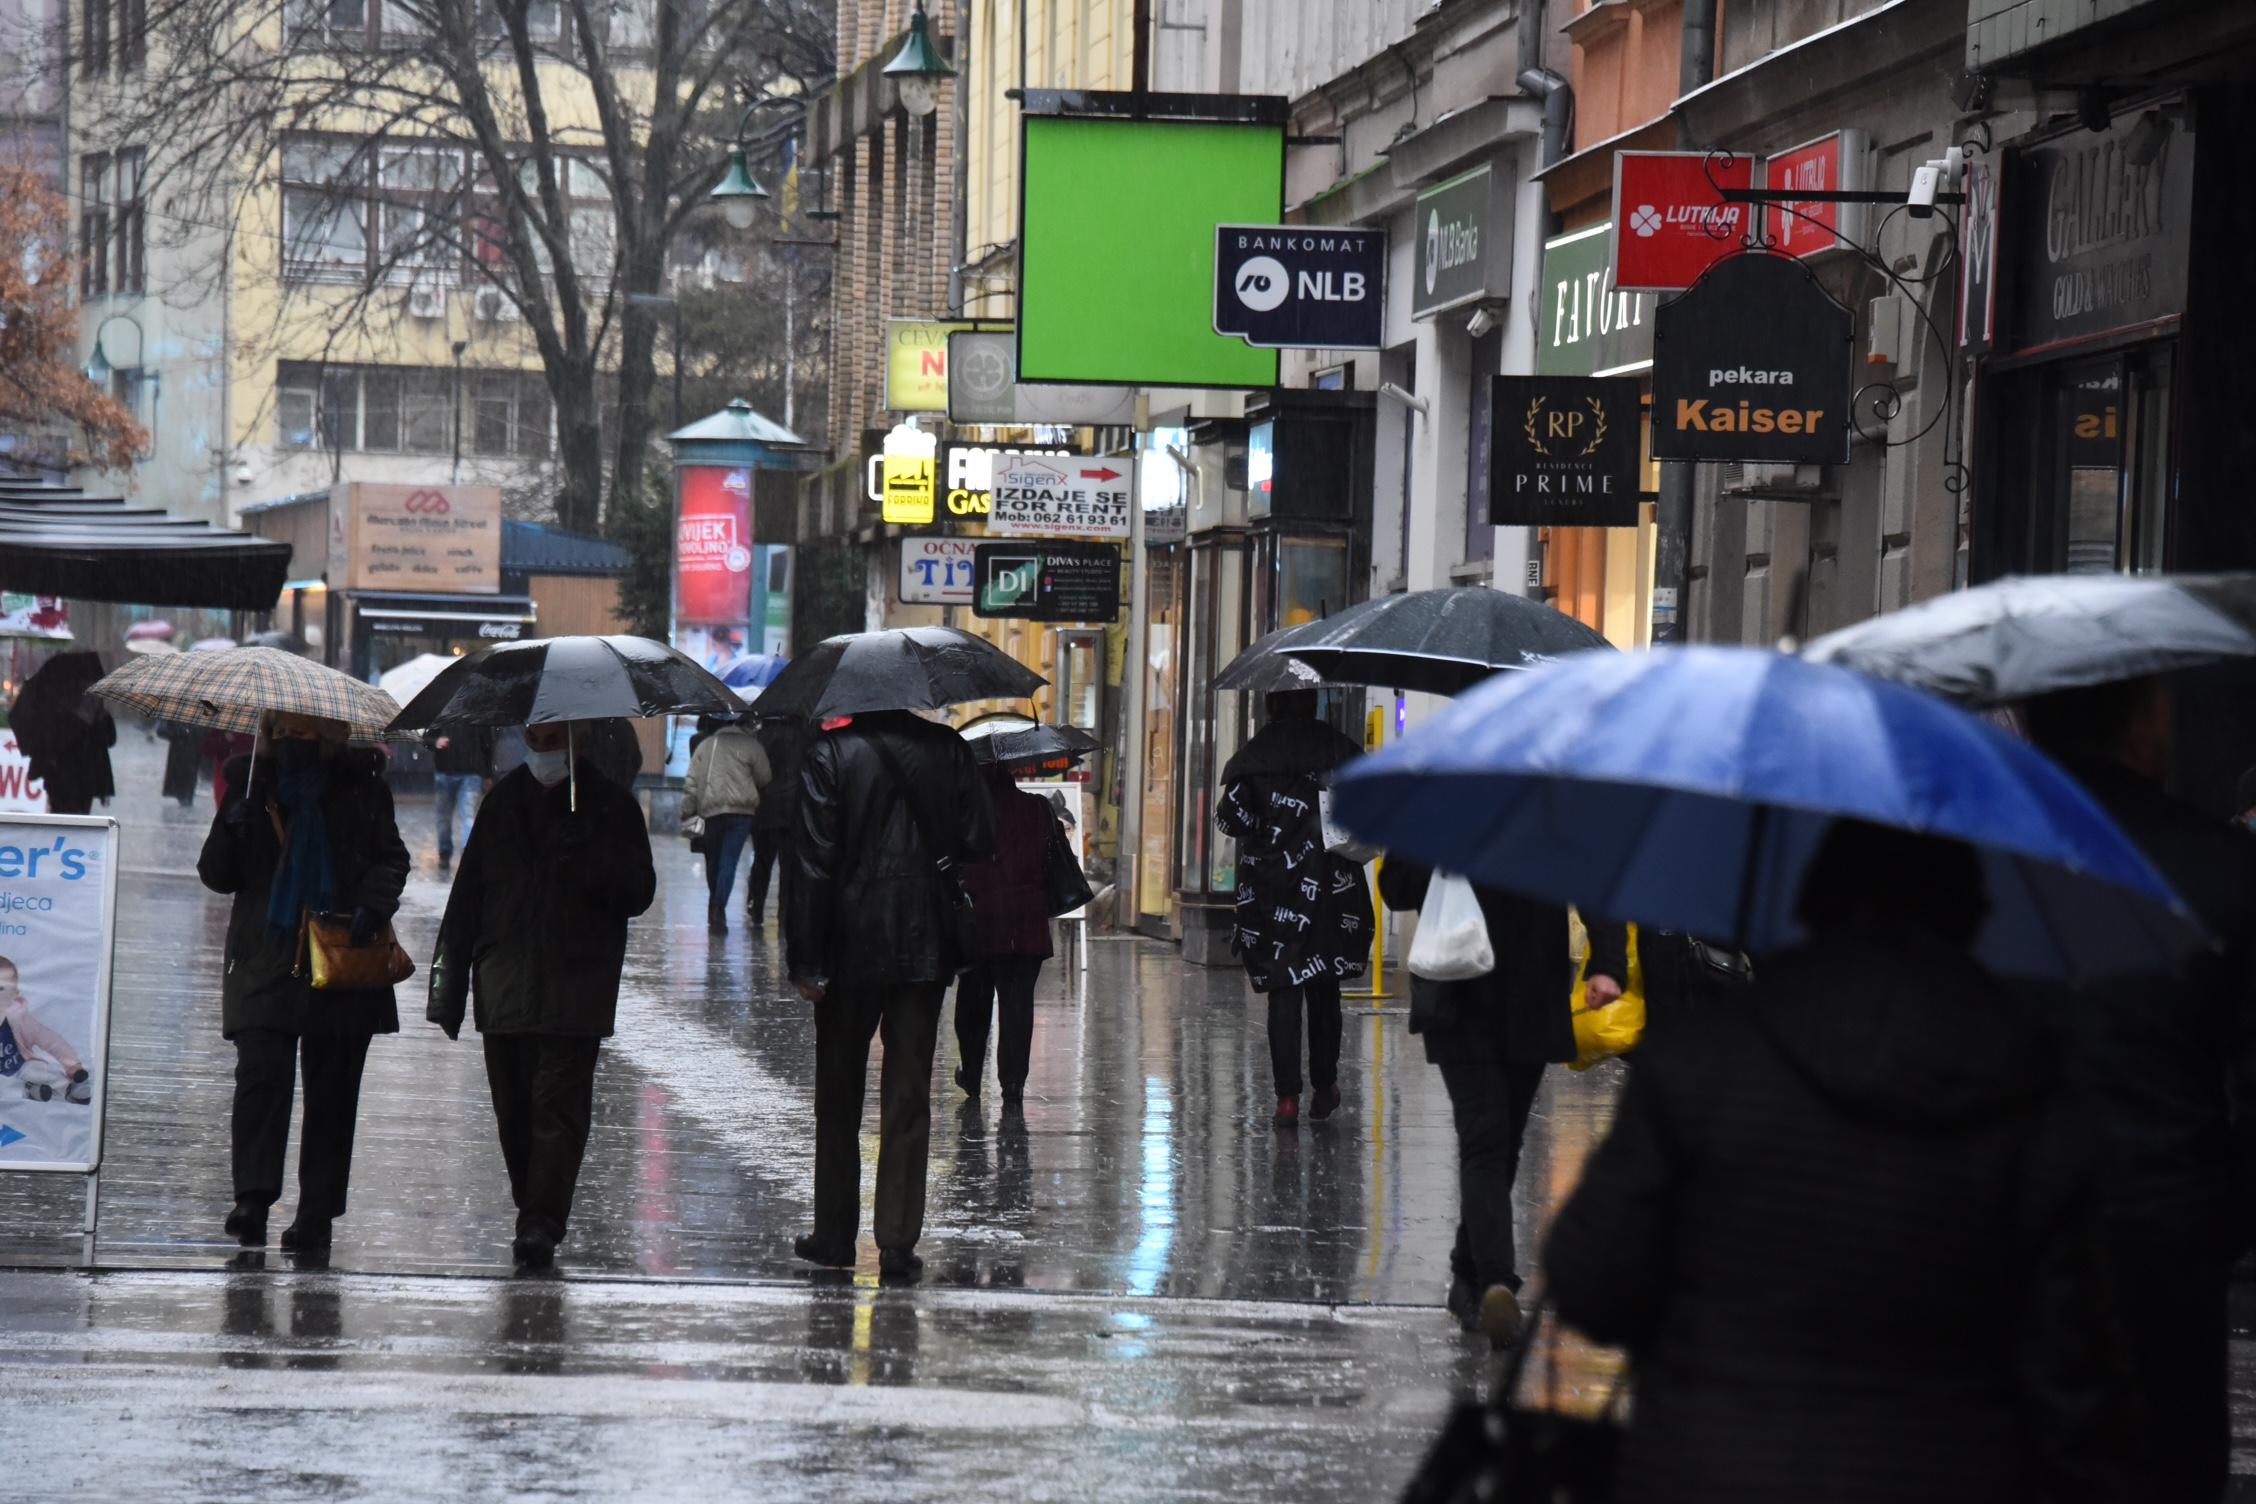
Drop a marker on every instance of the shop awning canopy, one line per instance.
(57, 540)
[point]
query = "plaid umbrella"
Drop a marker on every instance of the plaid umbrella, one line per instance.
(232, 689)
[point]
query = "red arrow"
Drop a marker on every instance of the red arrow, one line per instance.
(1100, 475)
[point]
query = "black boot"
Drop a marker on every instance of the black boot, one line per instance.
(716, 917)
(306, 1234)
(247, 1224)
(824, 1254)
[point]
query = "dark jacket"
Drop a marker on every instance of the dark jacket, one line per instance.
(2164, 1058)
(1845, 1229)
(867, 908)
(260, 988)
(1302, 912)
(1527, 1003)
(536, 927)
(468, 749)
(1010, 904)
(74, 765)
(785, 742)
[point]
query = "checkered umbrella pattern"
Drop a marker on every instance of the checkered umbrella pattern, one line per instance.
(234, 688)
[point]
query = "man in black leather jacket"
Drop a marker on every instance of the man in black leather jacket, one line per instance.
(870, 943)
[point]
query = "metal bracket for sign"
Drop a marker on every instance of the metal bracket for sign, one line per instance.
(1824, 196)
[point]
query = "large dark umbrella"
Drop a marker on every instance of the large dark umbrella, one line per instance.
(1265, 667)
(1440, 641)
(2034, 634)
(1014, 741)
(52, 711)
(904, 668)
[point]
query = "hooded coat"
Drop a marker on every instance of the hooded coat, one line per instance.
(1845, 1230)
(1009, 901)
(1302, 912)
(727, 773)
(263, 987)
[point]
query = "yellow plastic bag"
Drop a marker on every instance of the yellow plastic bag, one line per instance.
(1602, 1033)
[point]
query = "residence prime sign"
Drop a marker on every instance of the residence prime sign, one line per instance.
(1464, 244)
(1041, 580)
(1563, 451)
(1753, 364)
(1298, 287)
(1035, 497)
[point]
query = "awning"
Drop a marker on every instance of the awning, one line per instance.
(56, 540)
(485, 618)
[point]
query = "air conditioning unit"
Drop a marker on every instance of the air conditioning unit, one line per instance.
(493, 306)
(426, 301)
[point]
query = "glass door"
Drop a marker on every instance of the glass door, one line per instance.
(1213, 722)
(2109, 432)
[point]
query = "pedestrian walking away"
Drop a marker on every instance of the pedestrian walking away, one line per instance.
(308, 829)
(726, 775)
(535, 937)
(1492, 1037)
(64, 734)
(889, 807)
(1010, 915)
(462, 762)
(1846, 1228)
(1303, 912)
(776, 819)
(183, 762)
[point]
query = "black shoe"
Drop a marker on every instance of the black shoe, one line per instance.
(716, 918)
(1464, 1302)
(306, 1235)
(1013, 1101)
(81, 1088)
(446, 863)
(822, 1253)
(1324, 1103)
(899, 1264)
(247, 1224)
(534, 1250)
(970, 1085)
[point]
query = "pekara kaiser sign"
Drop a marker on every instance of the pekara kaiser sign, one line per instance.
(713, 547)
(424, 540)
(1671, 222)
(1753, 364)
(1062, 498)
(1563, 451)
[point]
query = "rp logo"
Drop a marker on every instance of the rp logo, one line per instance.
(1263, 283)
(426, 504)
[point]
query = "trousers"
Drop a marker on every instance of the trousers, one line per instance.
(267, 1065)
(725, 839)
(768, 846)
(454, 805)
(908, 1016)
(1003, 984)
(1321, 997)
(1490, 1098)
(544, 1099)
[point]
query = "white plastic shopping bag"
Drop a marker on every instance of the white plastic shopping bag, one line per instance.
(1452, 943)
(1336, 838)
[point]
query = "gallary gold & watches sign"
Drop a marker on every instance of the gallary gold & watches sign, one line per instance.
(1563, 452)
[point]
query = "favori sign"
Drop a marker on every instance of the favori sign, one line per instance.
(1670, 220)
(713, 550)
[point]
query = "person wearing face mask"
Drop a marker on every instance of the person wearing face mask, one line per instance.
(307, 827)
(535, 936)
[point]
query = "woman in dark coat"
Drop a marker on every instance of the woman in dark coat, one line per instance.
(1846, 1226)
(1010, 910)
(1303, 913)
(315, 832)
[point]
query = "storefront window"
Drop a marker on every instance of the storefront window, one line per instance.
(1213, 722)
(2110, 427)
(1163, 601)
(1480, 535)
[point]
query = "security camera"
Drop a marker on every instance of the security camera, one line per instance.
(242, 475)
(1932, 179)
(1480, 323)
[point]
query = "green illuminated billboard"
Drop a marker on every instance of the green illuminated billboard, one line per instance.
(1116, 241)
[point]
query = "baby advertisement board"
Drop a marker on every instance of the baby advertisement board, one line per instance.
(58, 901)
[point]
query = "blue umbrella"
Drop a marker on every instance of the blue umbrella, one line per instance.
(1688, 788)
(753, 671)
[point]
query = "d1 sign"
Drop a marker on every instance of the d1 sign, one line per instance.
(1671, 222)
(1753, 364)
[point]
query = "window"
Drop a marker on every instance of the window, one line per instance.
(374, 409)
(128, 236)
(591, 221)
(93, 225)
(132, 33)
(544, 19)
(510, 415)
(324, 223)
(418, 191)
(327, 23)
(95, 52)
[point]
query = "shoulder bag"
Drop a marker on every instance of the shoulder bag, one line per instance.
(1065, 887)
(958, 927)
(327, 956)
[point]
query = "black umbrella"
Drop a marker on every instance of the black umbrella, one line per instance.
(1440, 641)
(52, 710)
(905, 668)
(1012, 741)
(1265, 667)
(2033, 634)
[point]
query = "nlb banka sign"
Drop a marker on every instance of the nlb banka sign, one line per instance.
(1464, 243)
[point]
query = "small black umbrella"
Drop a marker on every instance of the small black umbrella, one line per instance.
(2033, 634)
(1265, 667)
(904, 668)
(1440, 641)
(1013, 741)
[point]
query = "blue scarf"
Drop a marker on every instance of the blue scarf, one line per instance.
(305, 879)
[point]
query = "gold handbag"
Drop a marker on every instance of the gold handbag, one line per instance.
(325, 949)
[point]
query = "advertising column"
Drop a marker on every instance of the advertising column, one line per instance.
(713, 564)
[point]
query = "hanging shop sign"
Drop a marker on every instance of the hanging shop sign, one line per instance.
(1670, 220)
(1839, 163)
(1753, 364)
(1464, 243)
(936, 571)
(1062, 498)
(713, 546)
(42, 617)
(443, 540)
(902, 476)
(1563, 451)
(20, 793)
(1978, 257)
(916, 364)
(983, 387)
(1300, 287)
(1047, 581)
(1590, 327)
(2099, 240)
(55, 954)
(967, 476)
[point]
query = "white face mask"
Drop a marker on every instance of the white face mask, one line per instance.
(548, 767)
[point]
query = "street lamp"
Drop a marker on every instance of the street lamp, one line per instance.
(918, 70)
(737, 193)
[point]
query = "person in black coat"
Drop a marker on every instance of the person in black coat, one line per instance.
(871, 943)
(309, 827)
(1303, 913)
(1493, 1036)
(536, 932)
(2166, 1065)
(1846, 1227)
(776, 819)
(1010, 910)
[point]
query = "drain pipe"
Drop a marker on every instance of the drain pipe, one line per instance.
(1673, 509)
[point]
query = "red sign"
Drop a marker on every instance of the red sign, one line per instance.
(1804, 228)
(713, 547)
(1670, 222)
